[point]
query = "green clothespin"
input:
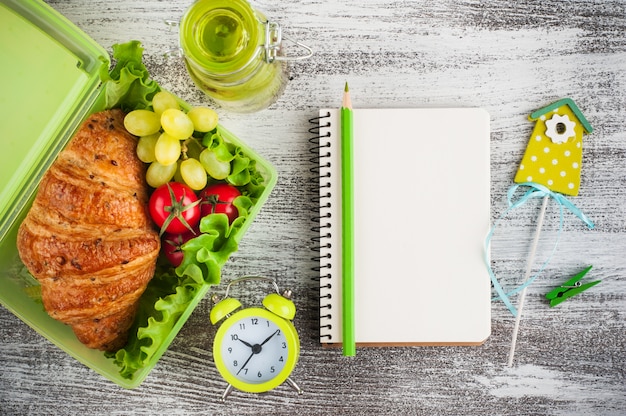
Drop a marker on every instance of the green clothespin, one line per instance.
(570, 288)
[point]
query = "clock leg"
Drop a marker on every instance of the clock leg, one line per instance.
(294, 385)
(228, 390)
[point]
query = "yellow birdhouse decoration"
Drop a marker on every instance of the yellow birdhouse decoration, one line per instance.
(553, 157)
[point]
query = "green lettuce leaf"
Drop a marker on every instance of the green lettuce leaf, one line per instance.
(216, 143)
(128, 85)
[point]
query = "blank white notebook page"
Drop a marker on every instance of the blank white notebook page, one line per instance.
(421, 215)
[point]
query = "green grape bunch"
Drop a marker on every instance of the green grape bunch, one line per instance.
(167, 144)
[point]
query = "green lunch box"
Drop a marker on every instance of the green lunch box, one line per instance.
(50, 83)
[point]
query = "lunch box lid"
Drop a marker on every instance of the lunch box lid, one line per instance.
(49, 81)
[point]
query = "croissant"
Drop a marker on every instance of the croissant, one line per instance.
(88, 238)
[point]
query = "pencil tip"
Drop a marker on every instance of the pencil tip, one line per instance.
(346, 87)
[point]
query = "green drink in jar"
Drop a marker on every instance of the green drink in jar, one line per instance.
(232, 53)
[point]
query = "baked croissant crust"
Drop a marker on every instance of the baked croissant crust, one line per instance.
(88, 238)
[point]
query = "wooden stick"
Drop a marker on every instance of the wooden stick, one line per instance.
(529, 265)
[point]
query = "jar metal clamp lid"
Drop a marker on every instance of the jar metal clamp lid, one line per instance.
(273, 42)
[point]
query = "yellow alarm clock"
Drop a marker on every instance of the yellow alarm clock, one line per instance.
(255, 349)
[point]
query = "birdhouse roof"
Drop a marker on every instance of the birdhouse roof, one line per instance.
(565, 101)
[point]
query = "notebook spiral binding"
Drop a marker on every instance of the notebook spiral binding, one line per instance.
(320, 188)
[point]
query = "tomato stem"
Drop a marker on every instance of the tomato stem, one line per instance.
(212, 200)
(176, 210)
(184, 149)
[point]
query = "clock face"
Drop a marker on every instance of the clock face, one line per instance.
(256, 350)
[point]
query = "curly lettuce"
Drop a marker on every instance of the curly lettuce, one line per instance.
(128, 85)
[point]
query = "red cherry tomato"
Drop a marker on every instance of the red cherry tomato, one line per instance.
(218, 198)
(174, 207)
(171, 246)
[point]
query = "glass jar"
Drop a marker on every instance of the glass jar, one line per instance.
(233, 54)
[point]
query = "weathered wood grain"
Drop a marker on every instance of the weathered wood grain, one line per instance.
(509, 57)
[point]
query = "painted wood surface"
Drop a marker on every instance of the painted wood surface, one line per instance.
(509, 57)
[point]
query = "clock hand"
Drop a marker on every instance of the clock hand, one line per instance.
(247, 344)
(270, 337)
(246, 363)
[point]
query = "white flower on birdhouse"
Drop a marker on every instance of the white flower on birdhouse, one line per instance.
(560, 128)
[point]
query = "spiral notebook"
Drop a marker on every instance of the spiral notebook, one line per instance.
(421, 216)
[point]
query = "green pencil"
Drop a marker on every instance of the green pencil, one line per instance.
(347, 202)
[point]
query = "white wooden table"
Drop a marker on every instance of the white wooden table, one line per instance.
(509, 57)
